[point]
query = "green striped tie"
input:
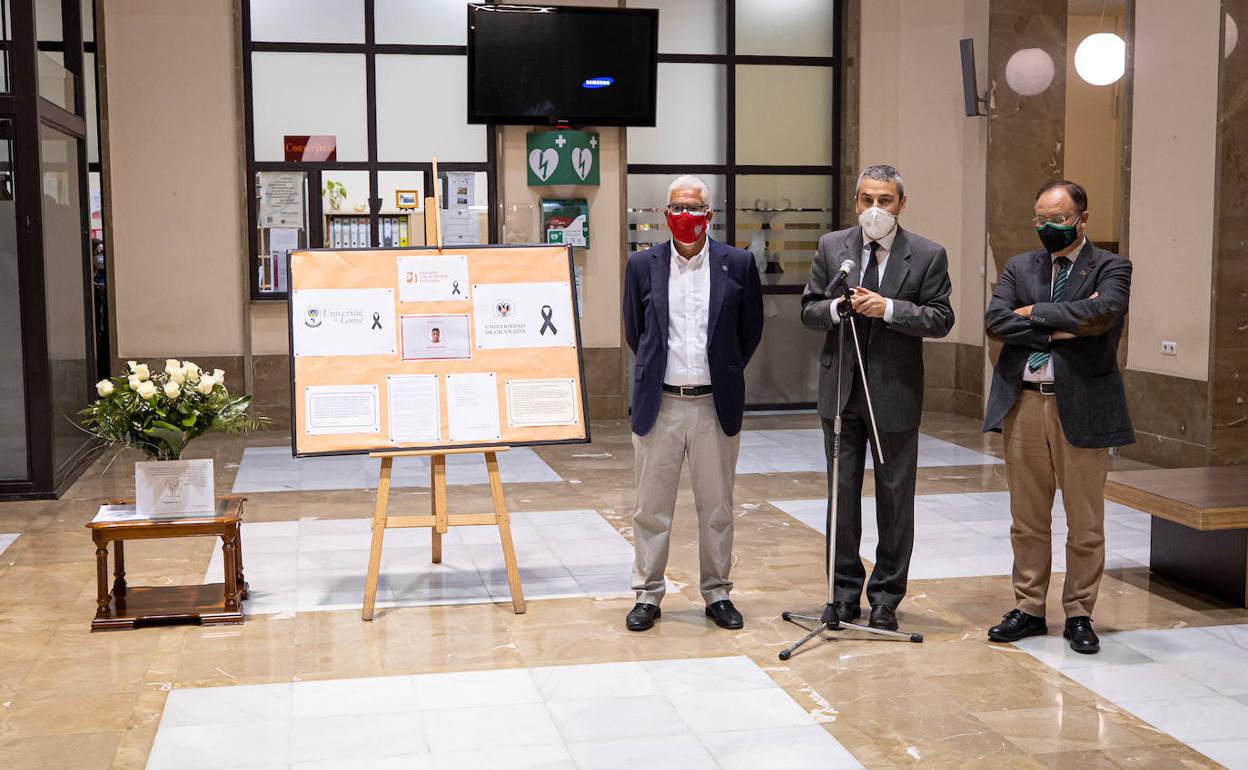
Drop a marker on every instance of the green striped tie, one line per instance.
(1037, 360)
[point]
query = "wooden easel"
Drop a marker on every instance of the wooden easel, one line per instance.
(439, 520)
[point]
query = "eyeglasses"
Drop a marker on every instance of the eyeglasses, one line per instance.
(1060, 219)
(697, 211)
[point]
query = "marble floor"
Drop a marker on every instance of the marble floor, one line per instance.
(1190, 683)
(968, 534)
(127, 699)
(6, 541)
(690, 714)
(320, 564)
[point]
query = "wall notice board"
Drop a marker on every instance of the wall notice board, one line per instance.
(424, 348)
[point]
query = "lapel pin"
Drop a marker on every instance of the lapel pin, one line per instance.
(1083, 273)
(724, 268)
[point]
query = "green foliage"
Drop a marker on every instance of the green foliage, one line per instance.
(160, 413)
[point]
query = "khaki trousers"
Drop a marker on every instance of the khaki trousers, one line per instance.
(685, 428)
(1039, 460)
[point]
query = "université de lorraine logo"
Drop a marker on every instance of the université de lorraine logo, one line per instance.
(312, 318)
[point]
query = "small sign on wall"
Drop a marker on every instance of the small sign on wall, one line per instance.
(562, 157)
(310, 149)
(566, 221)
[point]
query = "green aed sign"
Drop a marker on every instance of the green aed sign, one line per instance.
(563, 157)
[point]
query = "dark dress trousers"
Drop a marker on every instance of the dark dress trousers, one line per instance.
(1091, 400)
(734, 329)
(916, 278)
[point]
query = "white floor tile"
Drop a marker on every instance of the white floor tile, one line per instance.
(707, 674)
(476, 689)
(717, 711)
(526, 724)
(1138, 682)
(344, 737)
(605, 718)
(1171, 644)
(594, 680)
(6, 541)
(667, 752)
(549, 757)
(332, 697)
(792, 748)
(1232, 754)
(1194, 719)
(196, 746)
(1225, 676)
(1055, 651)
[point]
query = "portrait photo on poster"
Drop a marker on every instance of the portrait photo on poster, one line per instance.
(434, 337)
(523, 315)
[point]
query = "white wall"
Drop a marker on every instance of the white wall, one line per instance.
(1174, 146)
(917, 124)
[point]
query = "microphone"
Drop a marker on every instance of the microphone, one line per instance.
(841, 277)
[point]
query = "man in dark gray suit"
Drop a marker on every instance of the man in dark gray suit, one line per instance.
(901, 296)
(1058, 395)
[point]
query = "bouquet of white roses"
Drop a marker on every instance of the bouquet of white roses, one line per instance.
(159, 413)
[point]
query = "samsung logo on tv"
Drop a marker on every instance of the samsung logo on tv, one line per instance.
(599, 82)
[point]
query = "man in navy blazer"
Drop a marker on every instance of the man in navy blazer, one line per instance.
(693, 316)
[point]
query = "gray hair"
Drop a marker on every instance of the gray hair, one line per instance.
(686, 181)
(882, 173)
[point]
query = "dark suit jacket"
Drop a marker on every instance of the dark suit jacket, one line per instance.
(733, 331)
(1091, 401)
(916, 278)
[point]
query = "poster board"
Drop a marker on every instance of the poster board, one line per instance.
(428, 348)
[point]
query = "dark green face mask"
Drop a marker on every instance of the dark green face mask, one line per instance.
(1056, 237)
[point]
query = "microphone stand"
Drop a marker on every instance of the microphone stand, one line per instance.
(827, 620)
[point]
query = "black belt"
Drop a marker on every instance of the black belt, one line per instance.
(1045, 388)
(687, 390)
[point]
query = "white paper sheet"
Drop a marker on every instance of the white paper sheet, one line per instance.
(472, 407)
(523, 315)
(174, 487)
(343, 322)
(541, 402)
(341, 409)
(414, 409)
(436, 278)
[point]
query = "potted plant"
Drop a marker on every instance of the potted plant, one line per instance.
(335, 193)
(159, 414)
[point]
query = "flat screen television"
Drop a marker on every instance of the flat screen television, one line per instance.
(531, 64)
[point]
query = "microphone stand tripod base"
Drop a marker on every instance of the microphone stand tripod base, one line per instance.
(827, 620)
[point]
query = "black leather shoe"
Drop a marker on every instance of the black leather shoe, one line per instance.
(642, 617)
(845, 612)
(1016, 625)
(1082, 637)
(883, 616)
(725, 615)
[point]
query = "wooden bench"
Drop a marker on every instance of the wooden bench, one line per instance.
(1200, 524)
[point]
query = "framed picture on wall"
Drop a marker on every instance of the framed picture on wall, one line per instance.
(406, 199)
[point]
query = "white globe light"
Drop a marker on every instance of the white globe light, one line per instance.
(1029, 71)
(1101, 58)
(1232, 35)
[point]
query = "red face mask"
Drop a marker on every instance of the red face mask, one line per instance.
(687, 227)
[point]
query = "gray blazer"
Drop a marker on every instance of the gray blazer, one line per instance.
(1091, 400)
(916, 278)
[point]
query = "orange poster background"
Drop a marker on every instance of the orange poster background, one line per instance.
(378, 269)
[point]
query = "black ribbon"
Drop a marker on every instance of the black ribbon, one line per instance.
(455, 287)
(547, 314)
(376, 320)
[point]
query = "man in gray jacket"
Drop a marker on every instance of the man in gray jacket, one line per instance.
(901, 295)
(1058, 395)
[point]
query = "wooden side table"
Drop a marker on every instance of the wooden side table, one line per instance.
(216, 603)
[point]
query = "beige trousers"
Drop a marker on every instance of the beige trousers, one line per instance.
(685, 428)
(1039, 460)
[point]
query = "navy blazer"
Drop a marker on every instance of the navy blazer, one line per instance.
(733, 330)
(1091, 399)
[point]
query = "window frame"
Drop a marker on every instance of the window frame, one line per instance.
(370, 49)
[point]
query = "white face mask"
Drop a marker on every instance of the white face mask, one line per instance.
(877, 223)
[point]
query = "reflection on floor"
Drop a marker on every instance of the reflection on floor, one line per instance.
(968, 535)
(273, 469)
(6, 541)
(682, 714)
(319, 565)
(1190, 683)
(801, 450)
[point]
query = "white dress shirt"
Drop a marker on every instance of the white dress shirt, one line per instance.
(688, 312)
(1045, 373)
(881, 260)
